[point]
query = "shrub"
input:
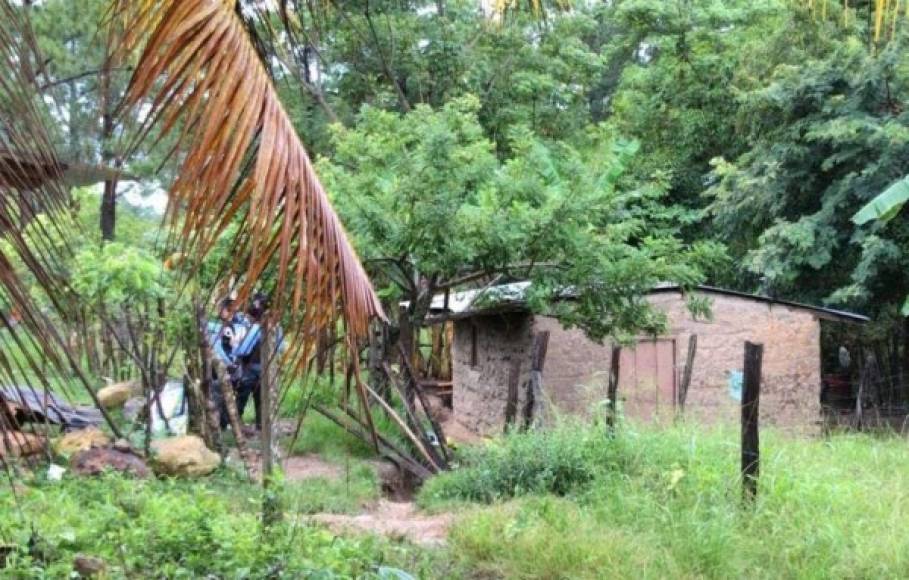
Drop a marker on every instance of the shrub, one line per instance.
(558, 461)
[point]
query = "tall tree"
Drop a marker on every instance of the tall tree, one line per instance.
(434, 208)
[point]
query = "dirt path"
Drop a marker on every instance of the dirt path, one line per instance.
(396, 520)
(300, 467)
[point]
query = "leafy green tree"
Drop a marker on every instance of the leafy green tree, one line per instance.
(394, 56)
(678, 64)
(82, 81)
(432, 208)
(826, 135)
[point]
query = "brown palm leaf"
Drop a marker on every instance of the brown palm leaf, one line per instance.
(35, 227)
(205, 80)
(242, 162)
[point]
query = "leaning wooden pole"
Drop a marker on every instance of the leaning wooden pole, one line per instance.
(686, 374)
(271, 508)
(233, 415)
(511, 403)
(535, 407)
(751, 397)
(612, 391)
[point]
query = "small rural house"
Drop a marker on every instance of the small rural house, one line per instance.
(493, 341)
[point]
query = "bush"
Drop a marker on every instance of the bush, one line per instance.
(557, 461)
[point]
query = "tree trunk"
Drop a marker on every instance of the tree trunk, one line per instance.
(413, 317)
(271, 507)
(109, 198)
(378, 346)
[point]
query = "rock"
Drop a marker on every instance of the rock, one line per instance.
(80, 440)
(133, 407)
(113, 396)
(97, 460)
(123, 445)
(19, 444)
(89, 566)
(185, 456)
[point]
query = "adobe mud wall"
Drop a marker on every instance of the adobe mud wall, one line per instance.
(577, 369)
(481, 390)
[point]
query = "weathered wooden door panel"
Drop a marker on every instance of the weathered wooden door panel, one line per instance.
(647, 380)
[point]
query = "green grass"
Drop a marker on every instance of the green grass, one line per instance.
(321, 436)
(357, 487)
(654, 504)
(178, 529)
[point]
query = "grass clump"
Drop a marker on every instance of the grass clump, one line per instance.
(356, 487)
(557, 462)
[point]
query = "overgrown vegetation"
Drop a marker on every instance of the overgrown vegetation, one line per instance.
(599, 150)
(657, 504)
(178, 529)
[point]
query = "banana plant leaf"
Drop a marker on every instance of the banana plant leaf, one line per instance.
(886, 205)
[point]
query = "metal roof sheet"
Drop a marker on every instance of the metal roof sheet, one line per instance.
(511, 298)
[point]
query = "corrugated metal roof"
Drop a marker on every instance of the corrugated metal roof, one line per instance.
(511, 298)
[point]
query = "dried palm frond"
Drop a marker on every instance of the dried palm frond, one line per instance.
(33, 182)
(201, 79)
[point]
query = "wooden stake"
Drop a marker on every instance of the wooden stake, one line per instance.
(511, 404)
(271, 509)
(534, 409)
(612, 392)
(233, 415)
(210, 412)
(686, 374)
(751, 397)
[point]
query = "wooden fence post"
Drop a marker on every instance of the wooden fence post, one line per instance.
(751, 397)
(686, 374)
(612, 391)
(271, 508)
(511, 404)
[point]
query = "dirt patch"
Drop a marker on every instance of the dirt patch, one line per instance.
(457, 433)
(296, 467)
(396, 520)
(300, 467)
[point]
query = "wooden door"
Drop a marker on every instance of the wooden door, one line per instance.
(647, 380)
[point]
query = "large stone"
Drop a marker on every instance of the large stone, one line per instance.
(133, 407)
(19, 444)
(89, 566)
(114, 396)
(97, 460)
(185, 456)
(81, 440)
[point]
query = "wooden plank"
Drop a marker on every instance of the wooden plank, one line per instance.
(751, 398)
(686, 374)
(612, 391)
(534, 409)
(511, 404)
